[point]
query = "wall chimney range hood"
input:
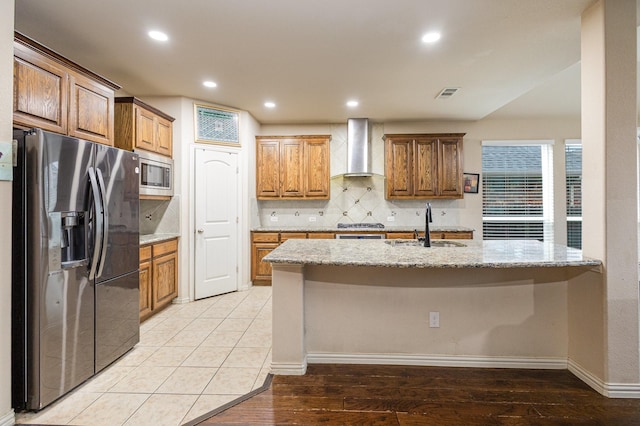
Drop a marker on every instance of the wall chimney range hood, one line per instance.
(358, 147)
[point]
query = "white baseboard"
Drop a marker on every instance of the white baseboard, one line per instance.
(288, 369)
(611, 390)
(438, 361)
(8, 419)
(180, 300)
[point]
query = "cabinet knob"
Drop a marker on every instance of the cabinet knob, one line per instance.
(200, 231)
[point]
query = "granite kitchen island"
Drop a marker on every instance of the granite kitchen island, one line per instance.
(495, 303)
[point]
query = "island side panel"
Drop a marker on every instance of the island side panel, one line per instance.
(288, 353)
(587, 342)
(488, 317)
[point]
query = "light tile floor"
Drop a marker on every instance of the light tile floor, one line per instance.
(191, 359)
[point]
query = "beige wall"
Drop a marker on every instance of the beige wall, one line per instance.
(6, 118)
(489, 317)
(484, 313)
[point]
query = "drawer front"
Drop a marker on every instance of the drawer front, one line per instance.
(292, 235)
(462, 235)
(321, 235)
(165, 247)
(145, 253)
(265, 237)
(401, 235)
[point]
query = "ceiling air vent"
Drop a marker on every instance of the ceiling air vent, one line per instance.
(447, 92)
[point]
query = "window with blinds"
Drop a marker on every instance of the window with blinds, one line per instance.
(517, 191)
(573, 169)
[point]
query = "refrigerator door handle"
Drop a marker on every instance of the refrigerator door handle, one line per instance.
(105, 208)
(98, 216)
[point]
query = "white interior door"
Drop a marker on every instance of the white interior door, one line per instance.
(216, 222)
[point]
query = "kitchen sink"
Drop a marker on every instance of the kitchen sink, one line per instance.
(416, 243)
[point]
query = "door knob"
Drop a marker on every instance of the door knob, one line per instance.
(200, 231)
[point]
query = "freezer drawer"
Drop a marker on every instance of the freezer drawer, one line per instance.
(117, 318)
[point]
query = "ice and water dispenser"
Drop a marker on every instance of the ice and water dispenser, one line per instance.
(73, 239)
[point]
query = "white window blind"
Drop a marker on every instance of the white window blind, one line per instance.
(573, 168)
(517, 188)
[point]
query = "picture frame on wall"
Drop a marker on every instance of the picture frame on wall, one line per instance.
(216, 125)
(471, 182)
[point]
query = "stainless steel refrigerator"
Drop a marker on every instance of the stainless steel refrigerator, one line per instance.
(75, 263)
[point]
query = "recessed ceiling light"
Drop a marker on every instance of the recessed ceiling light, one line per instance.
(158, 35)
(270, 104)
(209, 84)
(352, 104)
(431, 37)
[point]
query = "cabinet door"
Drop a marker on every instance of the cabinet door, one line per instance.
(425, 167)
(316, 169)
(146, 293)
(164, 144)
(268, 169)
(90, 110)
(40, 90)
(145, 130)
(292, 154)
(165, 279)
(450, 175)
(261, 271)
(399, 168)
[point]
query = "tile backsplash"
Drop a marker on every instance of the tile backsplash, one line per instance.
(354, 200)
(160, 217)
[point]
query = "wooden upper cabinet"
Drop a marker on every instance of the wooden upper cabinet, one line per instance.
(292, 171)
(399, 156)
(450, 171)
(292, 167)
(55, 94)
(141, 126)
(316, 168)
(268, 169)
(165, 137)
(145, 130)
(90, 110)
(423, 166)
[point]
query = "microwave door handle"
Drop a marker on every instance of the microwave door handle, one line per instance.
(105, 209)
(97, 242)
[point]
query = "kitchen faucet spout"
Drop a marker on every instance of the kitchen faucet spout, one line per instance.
(428, 219)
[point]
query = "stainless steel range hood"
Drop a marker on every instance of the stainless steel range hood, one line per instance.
(358, 147)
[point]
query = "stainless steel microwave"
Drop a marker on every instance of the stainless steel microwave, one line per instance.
(156, 174)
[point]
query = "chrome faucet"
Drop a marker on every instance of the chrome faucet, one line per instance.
(428, 219)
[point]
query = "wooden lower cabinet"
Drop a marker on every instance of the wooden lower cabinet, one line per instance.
(262, 243)
(261, 271)
(158, 276)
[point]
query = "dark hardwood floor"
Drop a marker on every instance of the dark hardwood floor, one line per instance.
(399, 395)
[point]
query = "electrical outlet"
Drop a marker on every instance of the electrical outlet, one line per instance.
(274, 218)
(434, 319)
(312, 218)
(391, 218)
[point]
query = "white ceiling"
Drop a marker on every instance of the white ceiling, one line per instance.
(509, 57)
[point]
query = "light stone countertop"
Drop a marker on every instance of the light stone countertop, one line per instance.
(156, 238)
(476, 254)
(445, 228)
